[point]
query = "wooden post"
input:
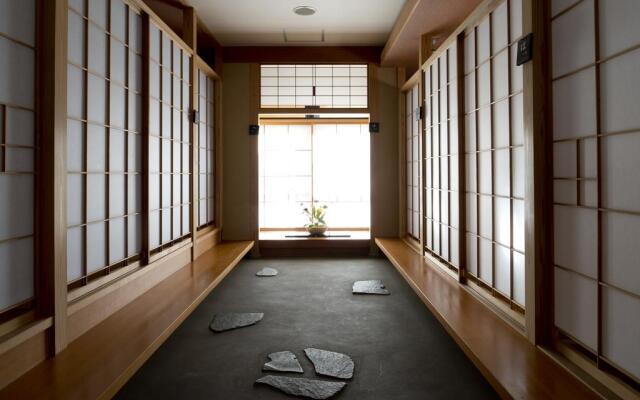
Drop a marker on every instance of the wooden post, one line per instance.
(51, 274)
(254, 106)
(401, 78)
(538, 190)
(189, 34)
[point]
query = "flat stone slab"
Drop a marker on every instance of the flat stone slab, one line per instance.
(228, 321)
(310, 388)
(267, 272)
(329, 363)
(283, 361)
(369, 287)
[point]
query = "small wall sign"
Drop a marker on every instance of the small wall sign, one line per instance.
(525, 49)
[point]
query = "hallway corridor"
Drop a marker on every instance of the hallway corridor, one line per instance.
(400, 350)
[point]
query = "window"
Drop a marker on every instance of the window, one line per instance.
(313, 86)
(412, 154)
(494, 156)
(325, 162)
(441, 144)
(596, 186)
(104, 156)
(18, 142)
(206, 147)
(169, 140)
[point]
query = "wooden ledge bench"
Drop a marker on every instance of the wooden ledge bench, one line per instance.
(514, 367)
(99, 363)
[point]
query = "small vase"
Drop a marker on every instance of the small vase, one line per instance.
(317, 230)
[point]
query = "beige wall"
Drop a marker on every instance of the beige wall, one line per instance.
(240, 190)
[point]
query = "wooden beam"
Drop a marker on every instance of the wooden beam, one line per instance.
(538, 189)
(190, 36)
(426, 48)
(405, 16)
(51, 273)
(302, 54)
(402, 153)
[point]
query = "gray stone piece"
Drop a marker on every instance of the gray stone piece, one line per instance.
(227, 321)
(267, 272)
(329, 363)
(313, 389)
(369, 287)
(283, 361)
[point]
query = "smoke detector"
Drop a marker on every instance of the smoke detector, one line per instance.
(304, 10)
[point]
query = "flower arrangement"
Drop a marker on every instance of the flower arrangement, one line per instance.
(316, 226)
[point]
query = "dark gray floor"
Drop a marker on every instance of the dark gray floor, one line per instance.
(400, 350)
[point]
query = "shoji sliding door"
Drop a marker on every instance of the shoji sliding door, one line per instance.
(18, 141)
(169, 139)
(442, 158)
(412, 154)
(494, 155)
(206, 150)
(596, 179)
(104, 138)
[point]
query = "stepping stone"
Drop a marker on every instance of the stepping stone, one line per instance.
(267, 272)
(369, 287)
(310, 388)
(329, 363)
(283, 361)
(228, 321)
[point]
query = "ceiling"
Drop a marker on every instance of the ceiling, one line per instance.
(268, 22)
(439, 17)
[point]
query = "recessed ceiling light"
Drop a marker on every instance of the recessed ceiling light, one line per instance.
(304, 10)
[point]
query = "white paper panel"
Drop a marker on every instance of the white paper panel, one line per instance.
(117, 103)
(75, 201)
(166, 225)
(96, 101)
(518, 224)
(518, 167)
(485, 259)
(135, 194)
(499, 28)
(97, 60)
(503, 269)
(74, 253)
(96, 148)
(75, 146)
(95, 197)
(16, 272)
(134, 226)
(20, 127)
(485, 217)
(16, 205)
(96, 246)
(620, 250)
(575, 236)
(576, 306)
(620, 93)
(75, 92)
(517, 120)
(117, 189)
(515, 15)
(75, 35)
(518, 278)
(502, 214)
(619, 29)
(572, 39)
(118, 66)
(472, 255)
(472, 215)
(484, 128)
(117, 240)
(484, 40)
(117, 141)
(565, 192)
(469, 52)
(484, 84)
(470, 92)
(154, 229)
(16, 73)
(484, 172)
(574, 105)
(501, 124)
(516, 71)
(588, 158)
(620, 177)
(500, 78)
(185, 219)
(501, 172)
(564, 160)
(621, 330)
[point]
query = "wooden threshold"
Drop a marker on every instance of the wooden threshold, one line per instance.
(512, 365)
(99, 363)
